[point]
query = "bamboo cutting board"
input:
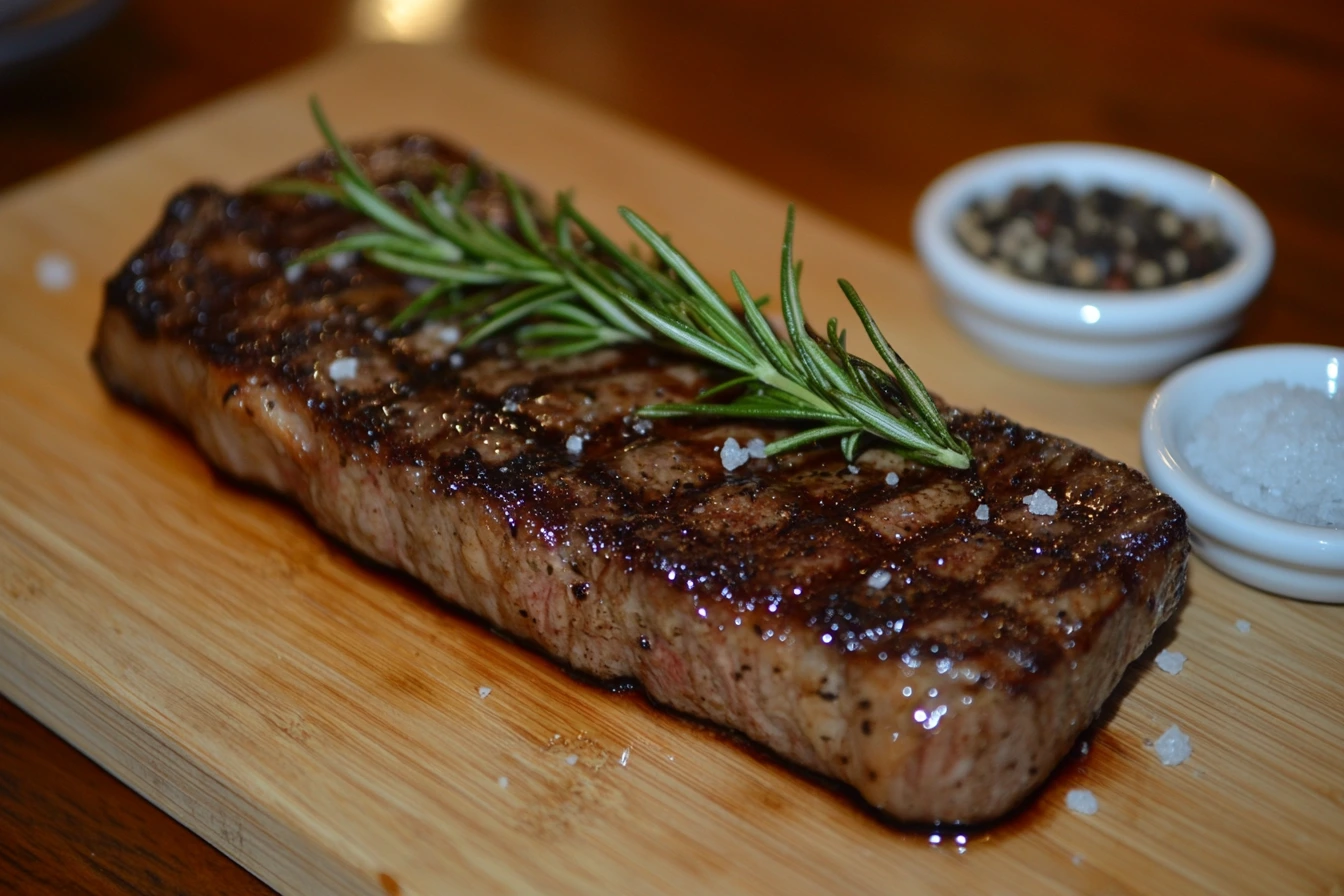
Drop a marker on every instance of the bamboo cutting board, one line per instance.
(321, 721)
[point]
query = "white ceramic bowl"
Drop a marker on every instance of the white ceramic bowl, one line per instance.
(1092, 335)
(1285, 558)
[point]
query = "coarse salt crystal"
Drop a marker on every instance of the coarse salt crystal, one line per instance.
(483, 691)
(852, 468)
(1243, 626)
(574, 445)
(1173, 747)
(503, 781)
(625, 756)
(510, 406)
(1040, 503)
(294, 273)
(449, 335)
(756, 448)
(55, 272)
(571, 759)
(1082, 801)
(339, 261)
(642, 427)
(892, 479)
(879, 579)
(1275, 449)
(1170, 661)
(982, 512)
(343, 369)
(733, 455)
(455, 360)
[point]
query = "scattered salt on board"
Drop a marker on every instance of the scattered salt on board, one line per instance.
(55, 272)
(1170, 661)
(1082, 801)
(1173, 747)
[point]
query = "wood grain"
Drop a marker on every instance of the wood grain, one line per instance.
(319, 721)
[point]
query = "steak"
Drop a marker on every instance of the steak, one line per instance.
(873, 628)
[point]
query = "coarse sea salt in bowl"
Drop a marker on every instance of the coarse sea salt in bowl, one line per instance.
(1091, 335)
(1265, 424)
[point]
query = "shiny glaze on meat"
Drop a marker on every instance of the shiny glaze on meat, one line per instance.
(760, 574)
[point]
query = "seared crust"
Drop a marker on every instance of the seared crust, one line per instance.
(742, 597)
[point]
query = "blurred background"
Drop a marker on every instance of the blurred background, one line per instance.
(852, 107)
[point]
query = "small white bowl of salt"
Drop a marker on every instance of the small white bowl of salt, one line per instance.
(1251, 443)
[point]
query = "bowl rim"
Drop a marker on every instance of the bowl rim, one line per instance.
(1065, 309)
(1211, 513)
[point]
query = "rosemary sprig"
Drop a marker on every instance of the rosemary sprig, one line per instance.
(562, 286)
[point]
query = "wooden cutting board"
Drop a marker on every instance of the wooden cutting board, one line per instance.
(320, 721)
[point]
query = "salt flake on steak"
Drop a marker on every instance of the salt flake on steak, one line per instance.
(1040, 503)
(733, 455)
(343, 369)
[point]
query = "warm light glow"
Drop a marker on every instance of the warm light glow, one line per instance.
(405, 21)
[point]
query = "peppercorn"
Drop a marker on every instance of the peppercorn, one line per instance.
(1102, 239)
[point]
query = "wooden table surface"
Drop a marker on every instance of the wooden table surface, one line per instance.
(773, 88)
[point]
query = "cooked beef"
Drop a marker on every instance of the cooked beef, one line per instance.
(947, 692)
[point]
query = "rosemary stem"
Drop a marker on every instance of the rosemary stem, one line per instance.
(577, 291)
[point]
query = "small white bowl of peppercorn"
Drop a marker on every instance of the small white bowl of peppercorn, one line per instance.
(1089, 262)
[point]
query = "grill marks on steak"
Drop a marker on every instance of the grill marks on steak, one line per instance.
(742, 597)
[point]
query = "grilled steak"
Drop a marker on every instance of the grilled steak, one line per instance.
(945, 687)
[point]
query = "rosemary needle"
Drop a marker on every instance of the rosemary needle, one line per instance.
(577, 290)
